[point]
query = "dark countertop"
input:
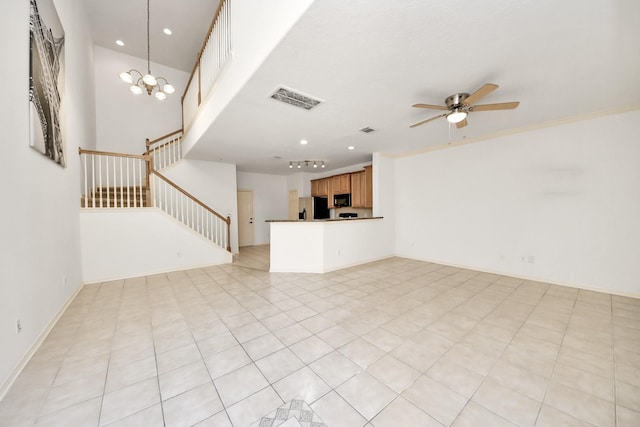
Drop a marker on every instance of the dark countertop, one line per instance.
(324, 220)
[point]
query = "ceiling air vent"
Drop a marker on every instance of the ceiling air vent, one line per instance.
(296, 99)
(367, 130)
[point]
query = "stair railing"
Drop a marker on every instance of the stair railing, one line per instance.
(215, 51)
(116, 180)
(165, 150)
(175, 201)
(113, 180)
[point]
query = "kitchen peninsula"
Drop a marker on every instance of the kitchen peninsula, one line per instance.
(321, 246)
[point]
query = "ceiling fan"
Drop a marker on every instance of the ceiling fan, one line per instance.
(459, 105)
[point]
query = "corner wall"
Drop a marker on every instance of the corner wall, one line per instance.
(558, 204)
(40, 234)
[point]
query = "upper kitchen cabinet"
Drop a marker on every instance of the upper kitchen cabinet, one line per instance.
(368, 182)
(361, 188)
(320, 187)
(341, 184)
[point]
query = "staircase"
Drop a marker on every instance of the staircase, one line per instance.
(124, 181)
(116, 197)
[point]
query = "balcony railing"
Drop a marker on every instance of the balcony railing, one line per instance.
(210, 61)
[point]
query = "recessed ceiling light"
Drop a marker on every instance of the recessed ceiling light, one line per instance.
(167, 31)
(119, 42)
(303, 142)
(351, 147)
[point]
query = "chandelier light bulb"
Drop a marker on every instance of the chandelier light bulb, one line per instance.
(299, 165)
(161, 95)
(322, 165)
(315, 165)
(290, 165)
(148, 79)
(126, 77)
(136, 89)
(168, 88)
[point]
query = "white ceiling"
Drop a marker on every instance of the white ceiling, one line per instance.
(126, 20)
(371, 60)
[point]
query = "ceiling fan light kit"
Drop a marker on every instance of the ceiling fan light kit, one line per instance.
(456, 116)
(148, 81)
(459, 105)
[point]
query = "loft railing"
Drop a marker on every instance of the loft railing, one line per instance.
(166, 150)
(215, 51)
(115, 180)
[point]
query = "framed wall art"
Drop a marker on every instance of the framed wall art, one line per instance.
(46, 80)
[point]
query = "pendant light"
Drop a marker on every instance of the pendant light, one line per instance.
(159, 86)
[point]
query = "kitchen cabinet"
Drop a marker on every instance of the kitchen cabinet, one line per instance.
(341, 184)
(368, 187)
(358, 184)
(357, 189)
(320, 187)
(362, 188)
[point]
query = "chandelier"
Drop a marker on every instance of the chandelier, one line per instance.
(148, 82)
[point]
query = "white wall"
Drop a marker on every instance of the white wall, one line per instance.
(125, 120)
(257, 27)
(301, 182)
(39, 235)
(559, 204)
(212, 183)
(125, 243)
(270, 201)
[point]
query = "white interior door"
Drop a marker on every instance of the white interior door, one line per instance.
(245, 218)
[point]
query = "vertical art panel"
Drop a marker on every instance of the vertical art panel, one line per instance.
(46, 80)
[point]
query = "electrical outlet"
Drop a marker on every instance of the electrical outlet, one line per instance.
(18, 326)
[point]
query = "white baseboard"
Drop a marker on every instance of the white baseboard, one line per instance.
(4, 387)
(529, 278)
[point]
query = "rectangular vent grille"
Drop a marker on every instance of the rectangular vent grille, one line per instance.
(367, 130)
(294, 98)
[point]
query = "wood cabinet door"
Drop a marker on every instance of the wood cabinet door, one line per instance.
(323, 187)
(332, 184)
(357, 180)
(367, 185)
(319, 187)
(345, 183)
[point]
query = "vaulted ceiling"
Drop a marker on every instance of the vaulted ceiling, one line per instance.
(369, 61)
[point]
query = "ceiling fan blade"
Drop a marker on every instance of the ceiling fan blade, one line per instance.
(426, 121)
(433, 107)
(462, 124)
(480, 93)
(491, 107)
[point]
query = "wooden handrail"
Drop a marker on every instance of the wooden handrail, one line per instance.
(164, 136)
(109, 153)
(204, 45)
(186, 193)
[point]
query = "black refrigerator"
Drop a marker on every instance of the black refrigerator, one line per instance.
(320, 208)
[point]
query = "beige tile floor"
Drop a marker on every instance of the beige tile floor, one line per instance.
(391, 343)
